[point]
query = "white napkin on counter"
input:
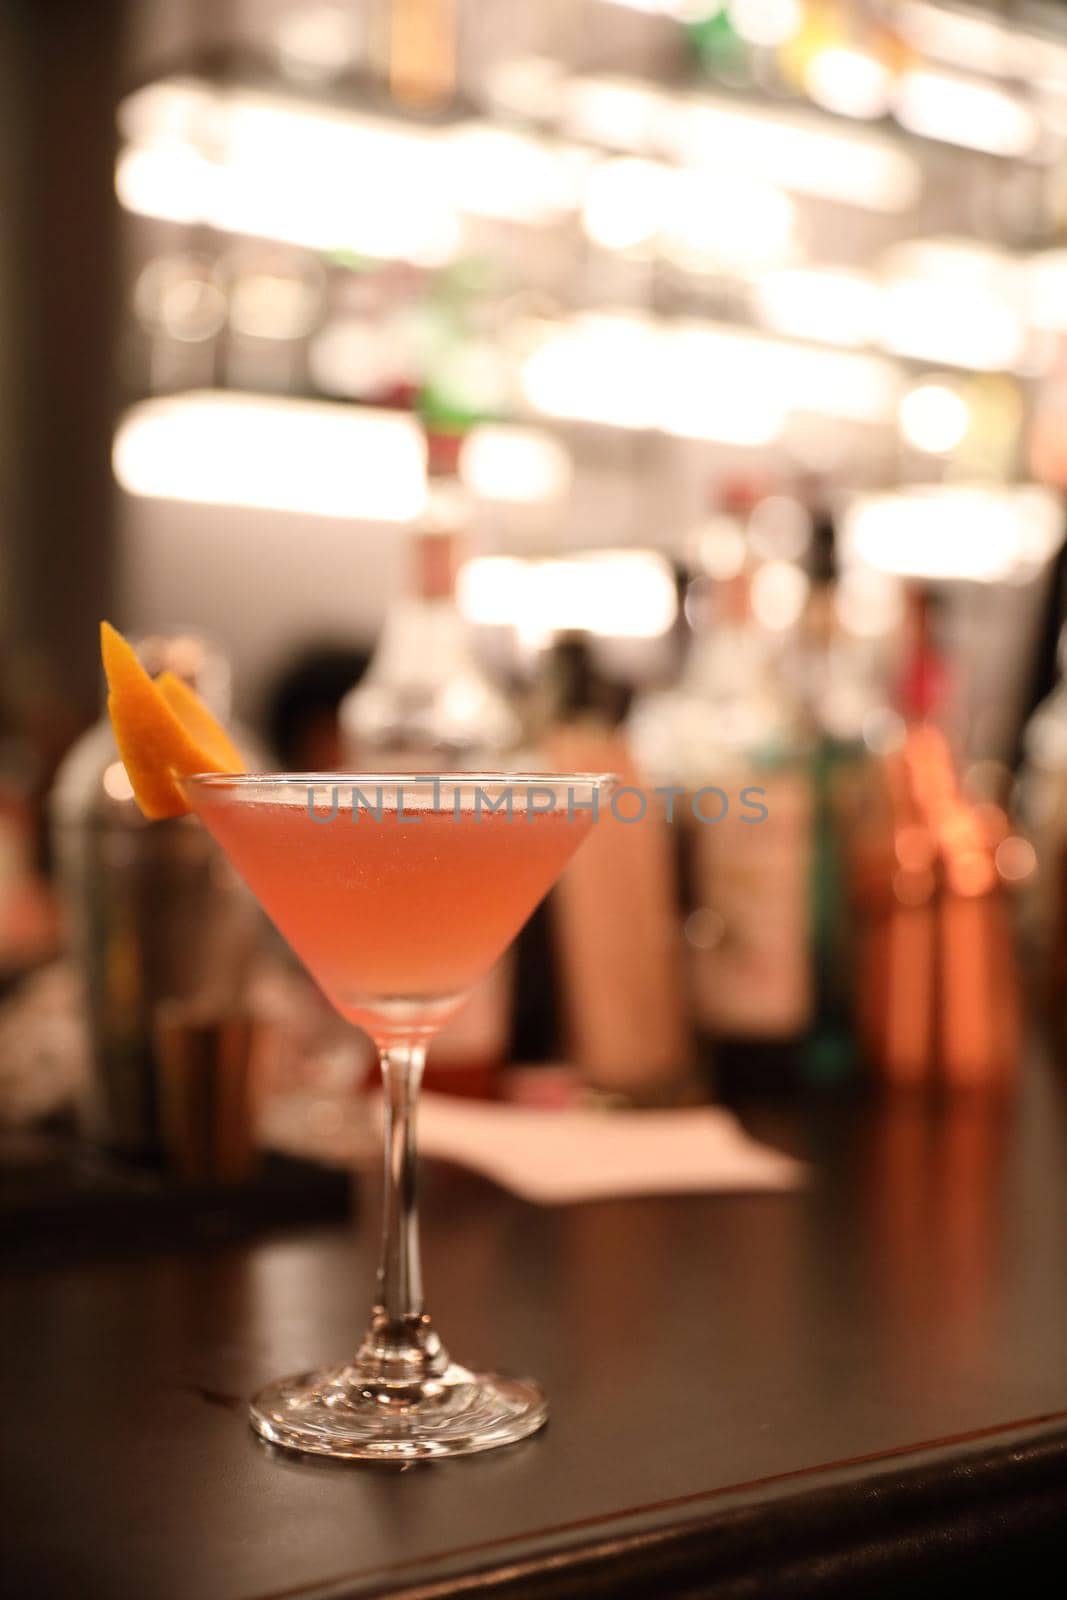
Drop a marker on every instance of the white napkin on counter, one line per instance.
(554, 1157)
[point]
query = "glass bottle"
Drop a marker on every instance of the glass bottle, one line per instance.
(846, 713)
(425, 704)
(730, 736)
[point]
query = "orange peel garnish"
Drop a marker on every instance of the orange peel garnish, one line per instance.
(163, 730)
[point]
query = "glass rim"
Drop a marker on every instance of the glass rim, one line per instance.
(397, 780)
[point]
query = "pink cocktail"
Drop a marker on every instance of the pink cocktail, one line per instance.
(398, 893)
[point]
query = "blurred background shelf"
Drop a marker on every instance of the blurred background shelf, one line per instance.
(682, 383)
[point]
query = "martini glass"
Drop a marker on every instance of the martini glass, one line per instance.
(398, 893)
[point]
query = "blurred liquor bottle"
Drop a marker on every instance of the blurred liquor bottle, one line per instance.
(924, 685)
(422, 53)
(612, 918)
(567, 691)
(463, 377)
(1042, 801)
(846, 711)
(426, 705)
(717, 48)
(729, 736)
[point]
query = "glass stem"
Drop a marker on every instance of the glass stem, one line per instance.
(401, 1349)
(400, 1271)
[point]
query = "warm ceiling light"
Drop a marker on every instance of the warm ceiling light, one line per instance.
(624, 202)
(521, 465)
(611, 593)
(833, 383)
(596, 367)
(965, 111)
(240, 161)
(953, 302)
(619, 112)
(934, 418)
(961, 39)
(278, 455)
(715, 385)
(698, 380)
(833, 306)
(497, 172)
(849, 82)
(713, 221)
(1045, 289)
(981, 533)
(765, 22)
(795, 152)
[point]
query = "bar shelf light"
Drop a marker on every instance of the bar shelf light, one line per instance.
(984, 533)
(709, 184)
(319, 458)
(239, 161)
(213, 447)
(950, 93)
(623, 594)
(698, 380)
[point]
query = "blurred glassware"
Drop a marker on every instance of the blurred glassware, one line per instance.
(276, 299)
(938, 998)
(318, 41)
(180, 305)
(155, 913)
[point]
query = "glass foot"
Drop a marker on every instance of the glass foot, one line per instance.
(333, 1412)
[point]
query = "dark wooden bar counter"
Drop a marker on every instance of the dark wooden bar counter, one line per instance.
(856, 1390)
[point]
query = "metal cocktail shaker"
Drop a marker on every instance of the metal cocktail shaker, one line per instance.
(155, 916)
